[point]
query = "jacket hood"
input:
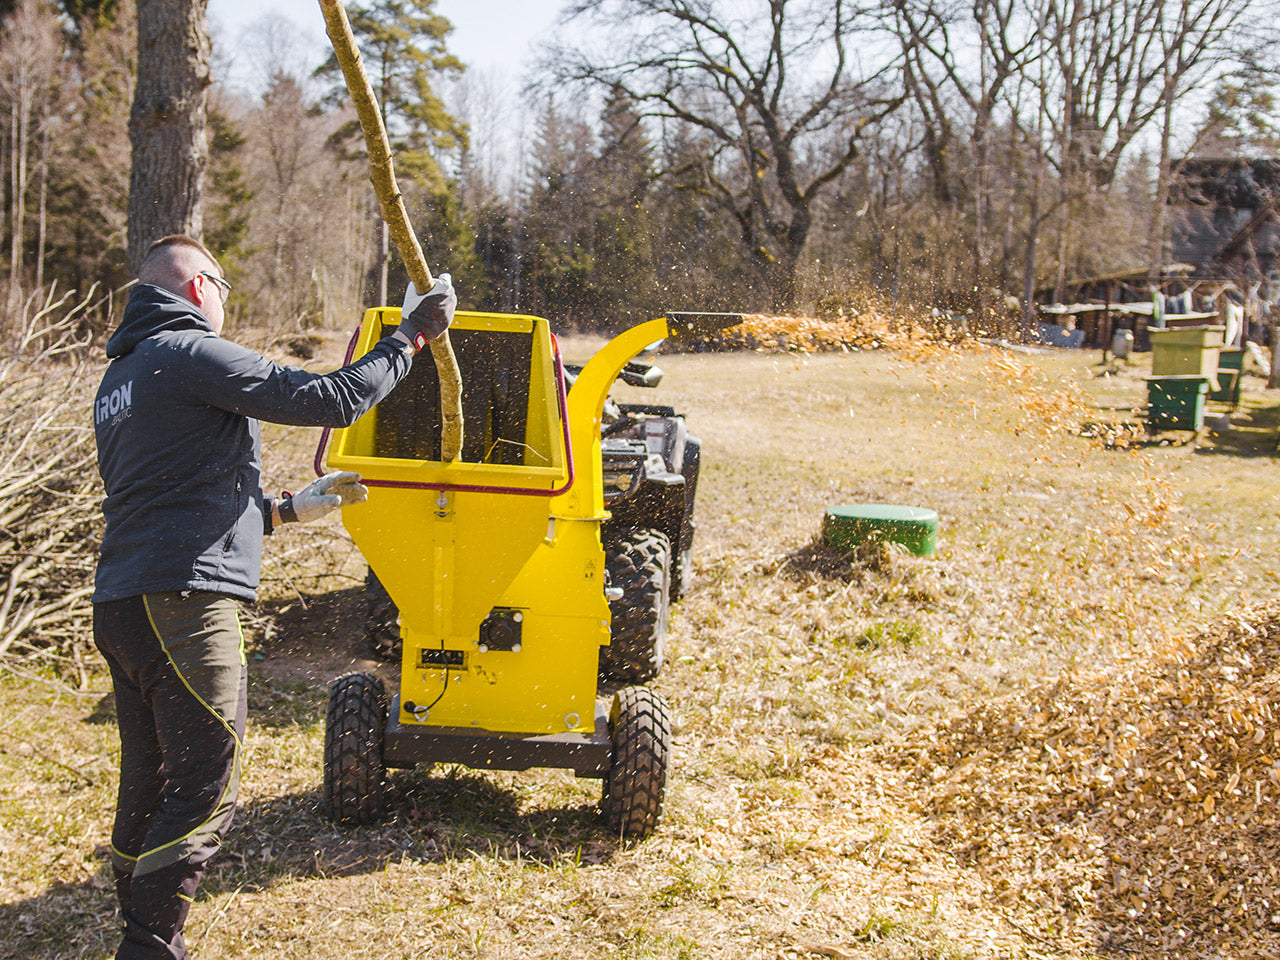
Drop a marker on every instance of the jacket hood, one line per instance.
(150, 310)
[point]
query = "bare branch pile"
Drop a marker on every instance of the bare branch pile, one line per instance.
(1137, 804)
(49, 487)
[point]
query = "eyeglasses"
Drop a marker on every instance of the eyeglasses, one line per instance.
(224, 288)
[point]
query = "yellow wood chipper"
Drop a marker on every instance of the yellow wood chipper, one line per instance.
(496, 564)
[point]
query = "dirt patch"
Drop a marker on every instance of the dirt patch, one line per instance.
(312, 639)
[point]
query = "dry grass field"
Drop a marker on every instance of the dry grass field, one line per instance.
(1054, 739)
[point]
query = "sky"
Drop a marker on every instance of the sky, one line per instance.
(495, 35)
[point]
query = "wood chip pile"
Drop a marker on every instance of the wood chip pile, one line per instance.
(1138, 806)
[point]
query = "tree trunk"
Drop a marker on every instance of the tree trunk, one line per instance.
(168, 124)
(42, 225)
(1273, 376)
(1160, 247)
(20, 121)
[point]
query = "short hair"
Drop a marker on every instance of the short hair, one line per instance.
(172, 261)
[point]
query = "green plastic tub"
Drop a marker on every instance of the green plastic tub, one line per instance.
(916, 528)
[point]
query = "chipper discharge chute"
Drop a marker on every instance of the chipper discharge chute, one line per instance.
(495, 562)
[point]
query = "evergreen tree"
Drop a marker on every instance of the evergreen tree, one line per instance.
(90, 183)
(402, 43)
(1243, 117)
(91, 14)
(557, 244)
(624, 287)
(697, 260)
(227, 200)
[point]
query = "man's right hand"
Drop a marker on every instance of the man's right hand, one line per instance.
(425, 316)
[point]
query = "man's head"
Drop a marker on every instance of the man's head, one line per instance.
(184, 266)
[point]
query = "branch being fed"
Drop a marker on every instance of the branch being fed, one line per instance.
(382, 175)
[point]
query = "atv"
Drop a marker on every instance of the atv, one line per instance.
(650, 464)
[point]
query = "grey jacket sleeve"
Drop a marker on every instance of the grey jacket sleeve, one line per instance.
(231, 377)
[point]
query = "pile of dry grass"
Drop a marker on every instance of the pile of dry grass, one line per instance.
(1137, 803)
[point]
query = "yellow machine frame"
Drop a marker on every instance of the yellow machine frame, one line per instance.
(497, 568)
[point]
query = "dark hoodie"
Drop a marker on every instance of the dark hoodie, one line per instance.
(176, 420)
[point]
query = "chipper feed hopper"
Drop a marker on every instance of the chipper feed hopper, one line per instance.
(495, 562)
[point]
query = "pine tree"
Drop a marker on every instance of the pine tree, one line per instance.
(1243, 116)
(558, 251)
(90, 183)
(402, 43)
(623, 284)
(228, 196)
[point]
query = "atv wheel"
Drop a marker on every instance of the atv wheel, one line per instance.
(681, 575)
(636, 784)
(354, 772)
(381, 620)
(640, 564)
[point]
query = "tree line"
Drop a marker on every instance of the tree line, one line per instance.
(773, 155)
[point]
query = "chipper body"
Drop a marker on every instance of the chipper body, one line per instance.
(496, 564)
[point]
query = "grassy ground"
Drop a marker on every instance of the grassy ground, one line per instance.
(810, 691)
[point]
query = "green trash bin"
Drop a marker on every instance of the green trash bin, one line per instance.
(1176, 403)
(916, 528)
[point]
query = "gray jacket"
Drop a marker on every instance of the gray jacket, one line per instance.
(176, 421)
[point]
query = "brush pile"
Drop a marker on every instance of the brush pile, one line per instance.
(1138, 805)
(49, 487)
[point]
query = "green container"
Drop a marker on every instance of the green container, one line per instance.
(1176, 403)
(1186, 351)
(916, 528)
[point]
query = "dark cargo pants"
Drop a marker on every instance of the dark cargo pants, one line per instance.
(178, 669)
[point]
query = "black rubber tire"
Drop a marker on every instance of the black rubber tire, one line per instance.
(354, 771)
(681, 575)
(639, 562)
(636, 784)
(381, 620)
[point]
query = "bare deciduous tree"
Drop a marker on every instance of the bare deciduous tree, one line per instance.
(973, 52)
(778, 89)
(33, 81)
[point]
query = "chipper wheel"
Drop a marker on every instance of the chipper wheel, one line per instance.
(636, 783)
(354, 772)
(639, 563)
(381, 620)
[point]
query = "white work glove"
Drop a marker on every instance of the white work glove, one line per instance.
(321, 495)
(425, 316)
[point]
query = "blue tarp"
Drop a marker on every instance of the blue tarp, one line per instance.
(1056, 336)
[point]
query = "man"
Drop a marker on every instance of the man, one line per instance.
(176, 421)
